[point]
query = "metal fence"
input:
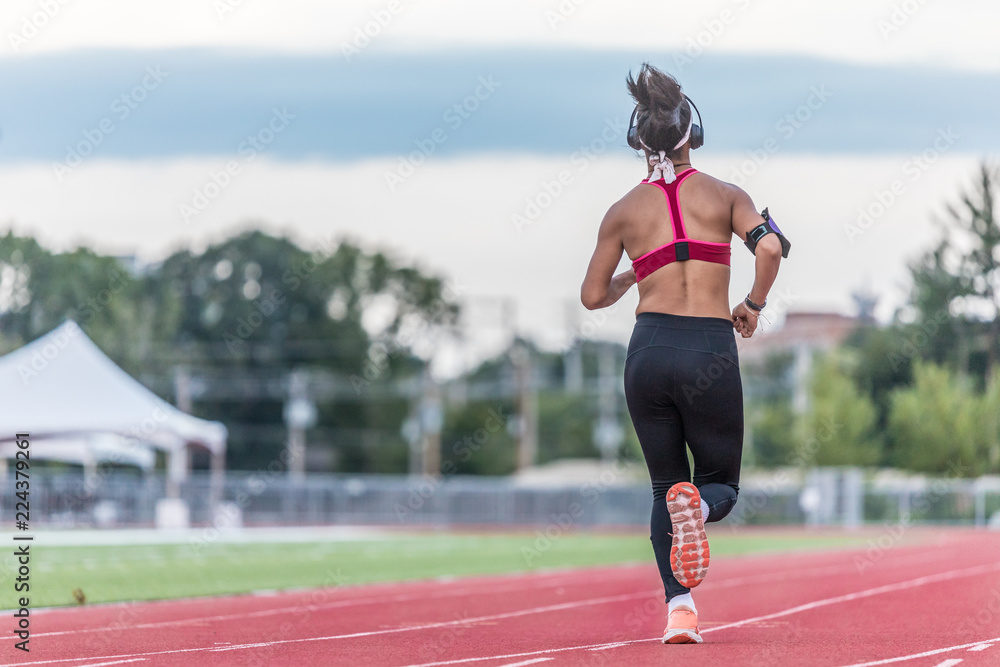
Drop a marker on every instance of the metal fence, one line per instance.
(819, 497)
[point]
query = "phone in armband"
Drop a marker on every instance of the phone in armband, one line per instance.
(762, 230)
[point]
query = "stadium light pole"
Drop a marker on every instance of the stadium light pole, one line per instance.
(527, 447)
(299, 414)
(431, 419)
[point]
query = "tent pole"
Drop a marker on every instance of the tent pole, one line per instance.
(178, 464)
(218, 478)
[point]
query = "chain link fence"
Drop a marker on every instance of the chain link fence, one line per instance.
(844, 497)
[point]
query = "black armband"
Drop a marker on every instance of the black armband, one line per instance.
(762, 230)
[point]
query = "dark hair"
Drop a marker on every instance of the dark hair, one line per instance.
(663, 114)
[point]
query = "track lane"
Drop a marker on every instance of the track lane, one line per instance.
(744, 605)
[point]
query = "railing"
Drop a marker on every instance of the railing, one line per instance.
(820, 497)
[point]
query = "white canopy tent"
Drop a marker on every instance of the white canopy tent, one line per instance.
(89, 451)
(61, 386)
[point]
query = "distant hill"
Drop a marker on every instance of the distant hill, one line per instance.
(548, 101)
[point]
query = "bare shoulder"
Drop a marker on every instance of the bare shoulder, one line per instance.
(635, 203)
(721, 190)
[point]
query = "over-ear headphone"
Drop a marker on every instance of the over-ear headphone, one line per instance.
(697, 130)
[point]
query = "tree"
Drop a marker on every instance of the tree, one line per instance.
(254, 307)
(839, 426)
(40, 289)
(939, 425)
(990, 416)
(241, 315)
(961, 278)
(768, 410)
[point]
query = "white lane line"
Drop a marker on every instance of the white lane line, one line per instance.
(551, 580)
(526, 662)
(607, 646)
(305, 607)
(443, 624)
(237, 646)
(890, 588)
(586, 647)
(308, 608)
(949, 663)
(904, 658)
(920, 581)
(981, 647)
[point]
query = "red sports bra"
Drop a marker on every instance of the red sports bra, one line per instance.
(681, 248)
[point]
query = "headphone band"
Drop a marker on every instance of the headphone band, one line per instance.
(695, 107)
(697, 132)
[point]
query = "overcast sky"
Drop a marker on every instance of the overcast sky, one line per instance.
(925, 67)
(958, 33)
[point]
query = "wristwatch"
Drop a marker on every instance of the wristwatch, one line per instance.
(753, 306)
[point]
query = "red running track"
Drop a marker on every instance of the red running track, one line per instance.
(933, 605)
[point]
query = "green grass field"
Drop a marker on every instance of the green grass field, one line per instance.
(108, 574)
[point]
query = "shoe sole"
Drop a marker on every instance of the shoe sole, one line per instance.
(689, 554)
(681, 637)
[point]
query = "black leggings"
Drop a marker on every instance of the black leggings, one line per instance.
(682, 384)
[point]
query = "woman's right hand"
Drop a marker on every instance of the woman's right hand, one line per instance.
(744, 320)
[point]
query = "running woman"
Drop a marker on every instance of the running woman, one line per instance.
(682, 375)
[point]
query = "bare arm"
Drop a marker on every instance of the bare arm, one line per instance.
(600, 287)
(768, 258)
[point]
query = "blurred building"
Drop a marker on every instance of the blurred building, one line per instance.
(801, 331)
(802, 334)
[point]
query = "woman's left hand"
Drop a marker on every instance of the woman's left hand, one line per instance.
(744, 320)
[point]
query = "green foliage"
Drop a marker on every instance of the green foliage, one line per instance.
(839, 427)
(476, 439)
(990, 414)
(957, 281)
(768, 411)
(773, 429)
(566, 427)
(40, 290)
(939, 425)
(242, 315)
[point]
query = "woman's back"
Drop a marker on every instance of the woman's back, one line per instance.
(692, 287)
